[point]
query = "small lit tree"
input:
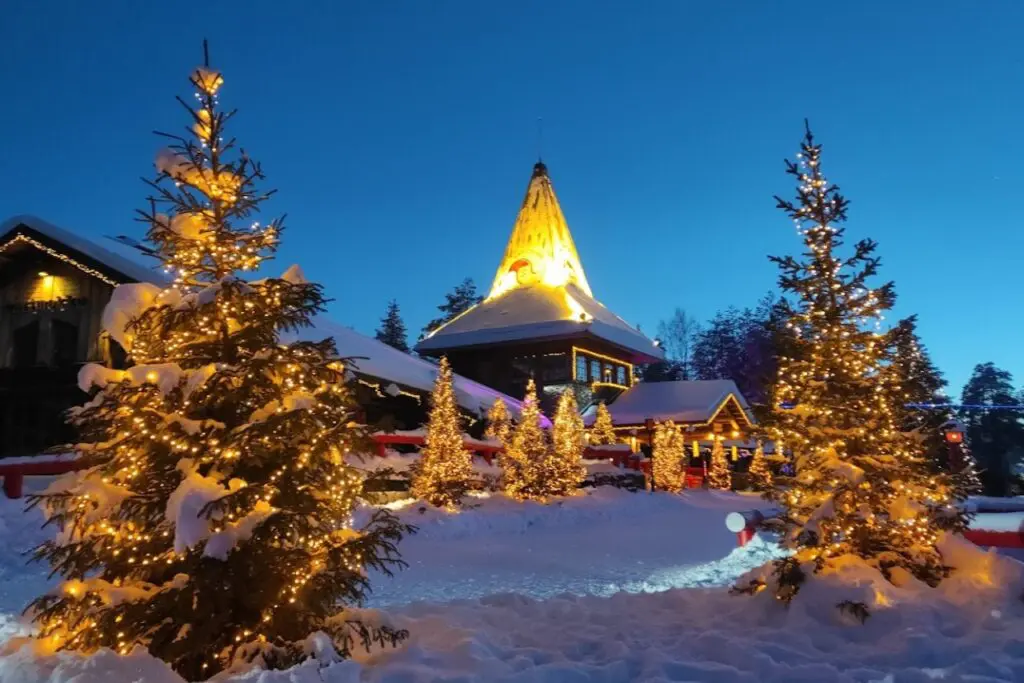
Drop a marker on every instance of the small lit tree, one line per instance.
(445, 466)
(211, 522)
(602, 433)
(719, 476)
(565, 463)
(499, 423)
(524, 461)
(667, 456)
(759, 472)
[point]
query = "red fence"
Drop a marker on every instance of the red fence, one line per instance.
(14, 470)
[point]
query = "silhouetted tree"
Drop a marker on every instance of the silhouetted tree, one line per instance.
(996, 436)
(457, 301)
(392, 328)
(678, 335)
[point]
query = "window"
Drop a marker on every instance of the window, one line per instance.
(607, 374)
(621, 375)
(595, 370)
(581, 368)
(554, 368)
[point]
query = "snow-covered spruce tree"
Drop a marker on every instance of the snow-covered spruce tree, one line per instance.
(602, 433)
(667, 457)
(499, 423)
(392, 328)
(913, 380)
(759, 473)
(862, 487)
(565, 468)
(523, 463)
(719, 476)
(211, 523)
(445, 466)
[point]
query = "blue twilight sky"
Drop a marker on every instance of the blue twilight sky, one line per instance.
(401, 136)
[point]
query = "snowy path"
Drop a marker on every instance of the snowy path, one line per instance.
(615, 542)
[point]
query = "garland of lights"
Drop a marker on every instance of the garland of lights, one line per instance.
(962, 406)
(21, 237)
(377, 390)
(598, 356)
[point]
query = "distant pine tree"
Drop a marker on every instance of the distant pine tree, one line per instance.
(565, 468)
(759, 474)
(499, 422)
(527, 453)
(719, 476)
(667, 457)
(445, 465)
(459, 300)
(392, 328)
(996, 436)
(917, 380)
(603, 431)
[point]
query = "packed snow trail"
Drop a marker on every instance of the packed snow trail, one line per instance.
(600, 544)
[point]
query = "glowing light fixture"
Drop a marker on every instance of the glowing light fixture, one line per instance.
(541, 249)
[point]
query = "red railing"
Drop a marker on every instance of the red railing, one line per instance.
(14, 470)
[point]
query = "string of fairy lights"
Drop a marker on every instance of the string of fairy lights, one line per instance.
(836, 330)
(203, 306)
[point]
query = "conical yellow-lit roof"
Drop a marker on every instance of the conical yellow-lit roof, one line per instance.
(540, 250)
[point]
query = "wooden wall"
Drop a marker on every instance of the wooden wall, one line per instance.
(57, 320)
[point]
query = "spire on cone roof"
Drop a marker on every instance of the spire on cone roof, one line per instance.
(540, 249)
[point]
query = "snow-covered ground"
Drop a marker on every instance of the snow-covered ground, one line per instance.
(611, 587)
(599, 544)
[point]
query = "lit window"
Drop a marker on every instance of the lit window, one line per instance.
(581, 368)
(621, 375)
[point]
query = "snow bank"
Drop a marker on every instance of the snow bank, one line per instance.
(678, 635)
(608, 587)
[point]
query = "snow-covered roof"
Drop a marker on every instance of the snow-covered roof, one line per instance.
(102, 256)
(540, 291)
(540, 312)
(376, 359)
(683, 401)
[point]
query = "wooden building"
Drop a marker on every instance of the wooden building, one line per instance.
(540, 319)
(707, 411)
(54, 286)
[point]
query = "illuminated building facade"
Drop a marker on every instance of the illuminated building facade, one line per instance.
(540, 319)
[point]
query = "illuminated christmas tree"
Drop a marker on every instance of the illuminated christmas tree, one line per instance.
(719, 476)
(602, 433)
(211, 523)
(445, 466)
(524, 462)
(862, 487)
(667, 457)
(565, 462)
(759, 472)
(499, 423)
